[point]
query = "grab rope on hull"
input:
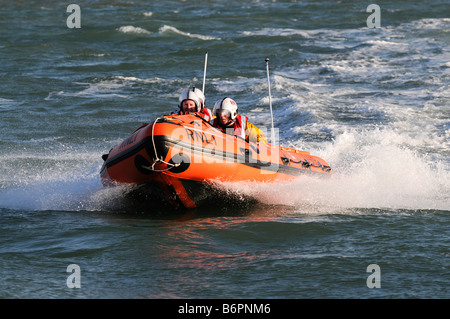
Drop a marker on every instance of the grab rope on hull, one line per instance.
(157, 160)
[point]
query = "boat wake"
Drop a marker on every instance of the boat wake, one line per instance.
(369, 171)
(52, 191)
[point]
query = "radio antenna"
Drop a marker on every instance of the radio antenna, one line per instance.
(204, 72)
(270, 102)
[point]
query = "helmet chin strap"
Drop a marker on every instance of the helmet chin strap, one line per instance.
(228, 124)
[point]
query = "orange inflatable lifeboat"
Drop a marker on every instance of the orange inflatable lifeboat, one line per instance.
(181, 156)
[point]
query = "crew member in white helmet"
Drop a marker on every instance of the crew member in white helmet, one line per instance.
(193, 101)
(229, 121)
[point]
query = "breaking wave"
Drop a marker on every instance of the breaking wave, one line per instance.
(133, 29)
(166, 29)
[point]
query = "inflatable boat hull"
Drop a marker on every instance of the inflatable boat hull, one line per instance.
(181, 156)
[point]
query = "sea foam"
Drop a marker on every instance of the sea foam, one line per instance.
(169, 29)
(133, 29)
(370, 170)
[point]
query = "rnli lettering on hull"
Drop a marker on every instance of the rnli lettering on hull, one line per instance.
(196, 136)
(201, 136)
(130, 140)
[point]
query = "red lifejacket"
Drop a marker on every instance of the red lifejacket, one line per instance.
(239, 126)
(206, 114)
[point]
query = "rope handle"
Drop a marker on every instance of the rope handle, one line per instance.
(157, 160)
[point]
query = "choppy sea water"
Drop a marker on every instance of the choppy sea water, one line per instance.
(373, 102)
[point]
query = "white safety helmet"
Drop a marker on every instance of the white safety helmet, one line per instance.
(228, 105)
(195, 95)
